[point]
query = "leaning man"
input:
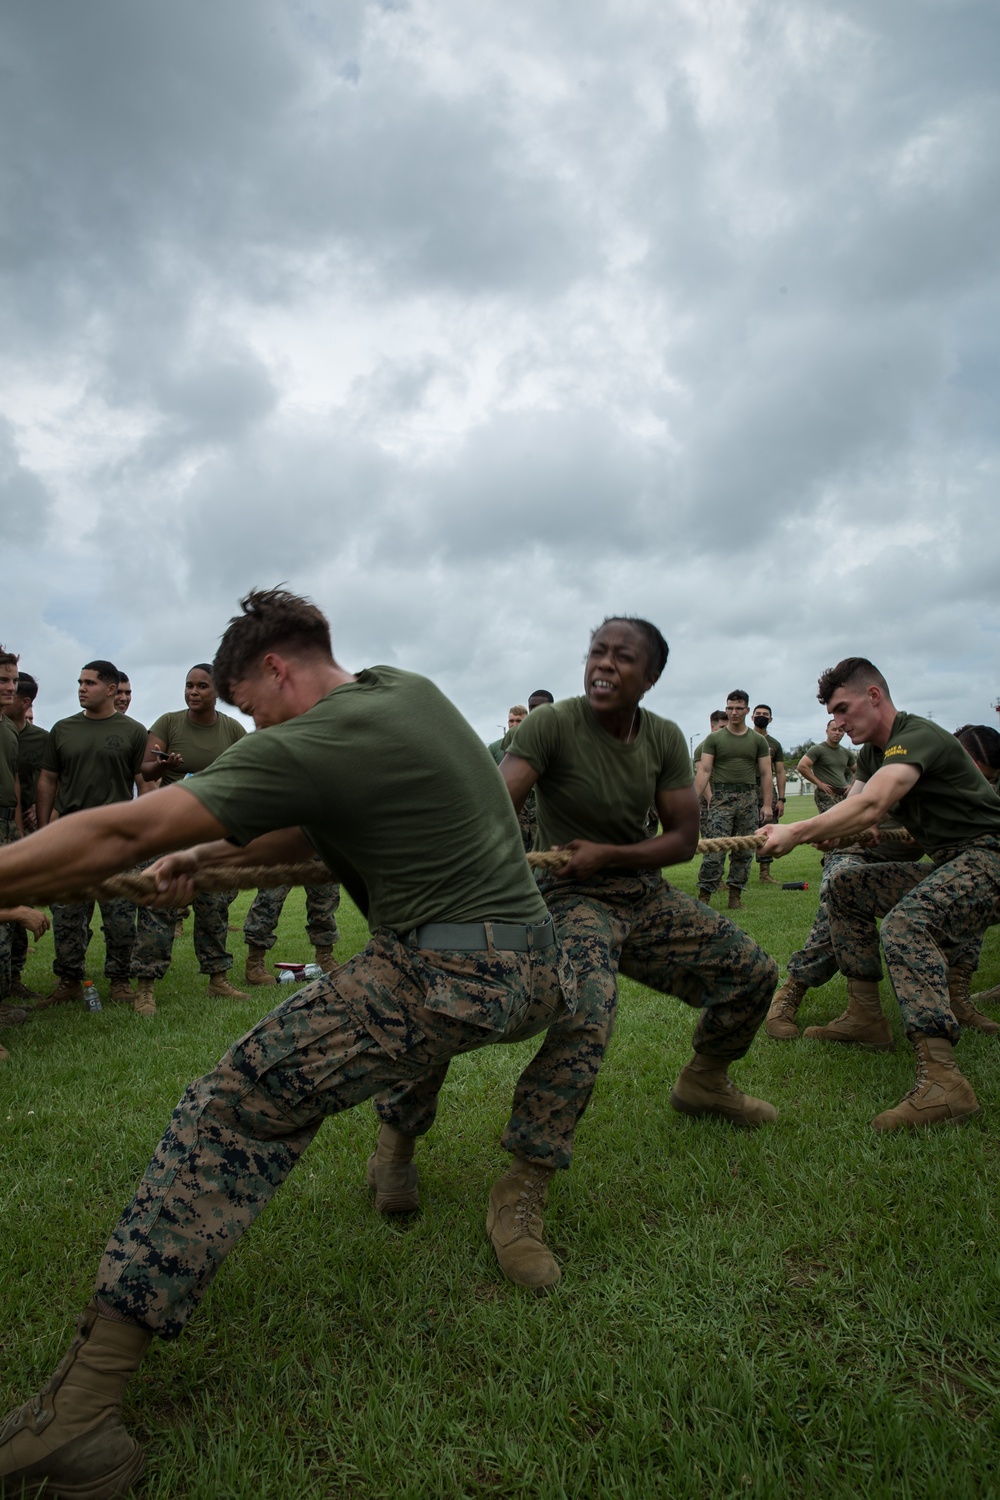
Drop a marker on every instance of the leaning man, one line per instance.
(462, 953)
(953, 813)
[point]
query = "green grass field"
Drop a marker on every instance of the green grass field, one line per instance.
(807, 1310)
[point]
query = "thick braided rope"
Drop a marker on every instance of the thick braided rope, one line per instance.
(229, 877)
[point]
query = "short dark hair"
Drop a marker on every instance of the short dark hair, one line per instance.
(201, 666)
(981, 742)
(124, 677)
(657, 649)
(272, 619)
(738, 696)
(541, 693)
(718, 716)
(7, 658)
(105, 670)
(852, 672)
(27, 687)
(764, 705)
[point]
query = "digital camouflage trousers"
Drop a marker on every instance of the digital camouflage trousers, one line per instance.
(616, 923)
(154, 938)
(71, 934)
(824, 801)
(928, 924)
(391, 1013)
(260, 929)
(732, 812)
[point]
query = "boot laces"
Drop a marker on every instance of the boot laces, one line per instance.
(921, 1079)
(529, 1201)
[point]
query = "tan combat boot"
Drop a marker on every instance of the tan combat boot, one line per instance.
(19, 990)
(765, 877)
(70, 1438)
(704, 1087)
(968, 1016)
(144, 1004)
(780, 1022)
(66, 991)
(121, 992)
(514, 1224)
(12, 1015)
(734, 903)
(219, 988)
(863, 1023)
(985, 997)
(706, 896)
(256, 972)
(940, 1094)
(326, 960)
(392, 1174)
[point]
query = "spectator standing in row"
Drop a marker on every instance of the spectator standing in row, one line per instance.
(91, 759)
(762, 717)
(514, 716)
(733, 759)
(178, 745)
(30, 748)
(717, 719)
(10, 797)
(829, 767)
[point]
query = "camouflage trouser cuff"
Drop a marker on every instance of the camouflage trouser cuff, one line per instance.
(265, 940)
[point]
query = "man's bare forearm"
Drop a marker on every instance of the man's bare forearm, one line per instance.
(76, 851)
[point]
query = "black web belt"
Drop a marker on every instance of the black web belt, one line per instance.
(7, 814)
(516, 937)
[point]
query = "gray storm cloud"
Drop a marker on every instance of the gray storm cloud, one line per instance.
(478, 323)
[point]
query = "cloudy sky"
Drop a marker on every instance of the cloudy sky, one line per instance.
(479, 322)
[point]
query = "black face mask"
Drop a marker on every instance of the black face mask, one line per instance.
(760, 721)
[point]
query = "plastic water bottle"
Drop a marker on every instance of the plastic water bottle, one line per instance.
(313, 971)
(91, 998)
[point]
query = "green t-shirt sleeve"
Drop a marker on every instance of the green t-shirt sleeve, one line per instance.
(777, 753)
(536, 738)
(161, 729)
(763, 748)
(256, 787)
(813, 751)
(138, 746)
(50, 756)
(676, 770)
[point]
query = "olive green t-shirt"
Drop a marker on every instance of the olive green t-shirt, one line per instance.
(31, 742)
(96, 760)
(952, 804)
(736, 756)
(199, 744)
(590, 785)
(499, 747)
(831, 763)
(389, 783)
(8, 763)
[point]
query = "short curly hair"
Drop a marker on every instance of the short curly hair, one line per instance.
(852, 672)
(271, 620)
